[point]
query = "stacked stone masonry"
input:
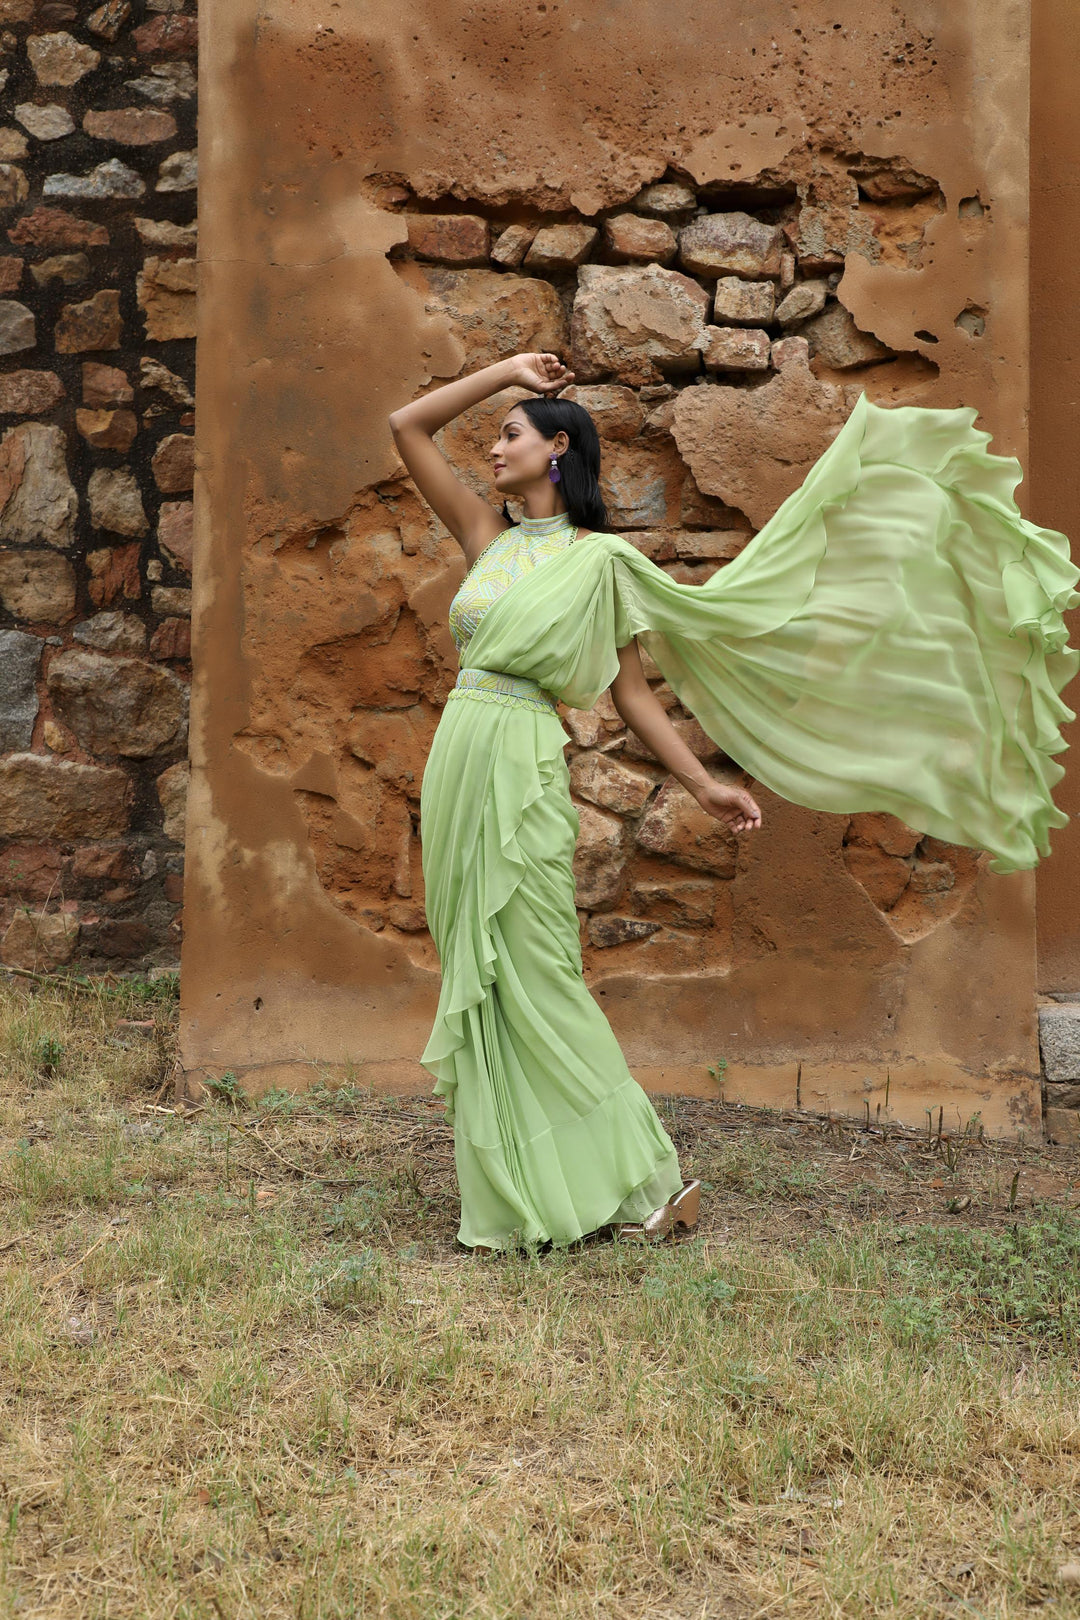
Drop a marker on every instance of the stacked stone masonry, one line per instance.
(97, 362)
(691, 322)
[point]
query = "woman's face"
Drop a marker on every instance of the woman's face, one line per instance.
(521, 455)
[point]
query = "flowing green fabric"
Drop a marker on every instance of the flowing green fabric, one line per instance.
(892, 640)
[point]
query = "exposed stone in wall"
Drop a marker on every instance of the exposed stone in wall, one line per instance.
(97, 215)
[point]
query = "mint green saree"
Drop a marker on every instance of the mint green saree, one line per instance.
(891, 640)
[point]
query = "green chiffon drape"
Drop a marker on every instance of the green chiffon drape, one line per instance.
(891, 640)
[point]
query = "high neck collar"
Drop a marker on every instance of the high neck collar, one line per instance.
(541, 526)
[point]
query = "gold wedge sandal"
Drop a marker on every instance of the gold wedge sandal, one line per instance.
(682, 1211)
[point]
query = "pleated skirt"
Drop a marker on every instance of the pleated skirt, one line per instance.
(553, 1136)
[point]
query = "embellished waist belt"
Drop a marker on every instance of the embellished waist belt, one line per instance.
(492, 684)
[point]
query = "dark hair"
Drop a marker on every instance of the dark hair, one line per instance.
(579, 464)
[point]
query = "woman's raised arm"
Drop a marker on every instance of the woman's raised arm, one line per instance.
(471, 520)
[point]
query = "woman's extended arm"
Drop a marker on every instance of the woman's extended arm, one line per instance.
(471, 520)
(644, 714)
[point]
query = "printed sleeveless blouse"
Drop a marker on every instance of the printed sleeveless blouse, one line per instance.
(514, 552)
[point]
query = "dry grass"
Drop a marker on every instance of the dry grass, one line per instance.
(248, 1372)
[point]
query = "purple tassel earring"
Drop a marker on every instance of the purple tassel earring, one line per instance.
(553, 472)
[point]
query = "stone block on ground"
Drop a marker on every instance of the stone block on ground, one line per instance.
(635, 239)
(460, 239)
(20, 656)
(733, 244)
(743, 303)
(117, 705)
(600, 857)
(29, 392)
(38, 586)
(558, 248)
(675, 825)
(38, 503)
(39, 940)
(42, 797)
(735, 348)
(1062, 1126)
(1059, 1040)
(636, 323)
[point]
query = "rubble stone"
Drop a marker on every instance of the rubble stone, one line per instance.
(172, 789)
(178, 172)
(49, 123)
(615, 410)
(600, 857)
(112, 632)
(93, 324)
(560, 247)
(823, 236)
(735, 348)
(20, 655)
(604, 781)
(743, 303)
(107, 430)
(11, 272)
(42, 797)
(167, 36)
(512, 245)
(165, 289)
(608, 929)
(38, 503)
(175, 532)
(171, 639)
(38, 586)
(166, 81)
(60, 58)
(164, 233)
(461, 239)
(807, 299)
(709, 545)
(67, 268)
(635, 492)
(18, 331)
(116, 502)
(173, 599)
(107, 20)
(130, 126)
(675, 825)
(56, 228)
(14, 186)
(114, 574)
(636, 323)
(37, 940)
(665, 200)
(730, 244)
(686, 903)
(117, 705)
(13, 147)
(835, 339)
(1059, 1039)
(884, 877)
(494, 314)
(634, 239)
(109, 179)
(174, 463)
(103, 385)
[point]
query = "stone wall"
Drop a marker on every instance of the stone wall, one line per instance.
(97, 328)
(729, 252)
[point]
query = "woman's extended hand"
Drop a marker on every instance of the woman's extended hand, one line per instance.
(731, 805)
(543, 373)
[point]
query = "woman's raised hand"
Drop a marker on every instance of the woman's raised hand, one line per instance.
(543, 373)
(731, 805)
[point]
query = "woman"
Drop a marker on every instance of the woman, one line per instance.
(891, 640)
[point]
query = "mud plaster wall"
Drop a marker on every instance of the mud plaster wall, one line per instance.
(359, 178)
